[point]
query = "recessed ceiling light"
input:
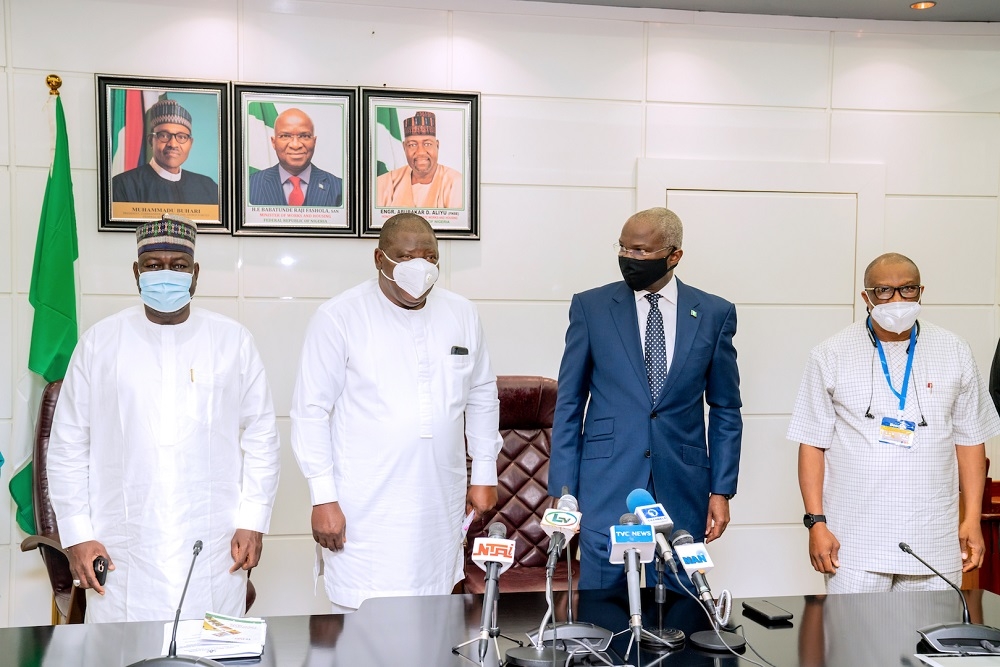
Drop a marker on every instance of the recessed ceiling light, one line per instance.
(922, 5)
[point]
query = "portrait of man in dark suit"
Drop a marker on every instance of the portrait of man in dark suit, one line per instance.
(295, 180)
(642, 358)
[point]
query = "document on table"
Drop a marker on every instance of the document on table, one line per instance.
(218, 637)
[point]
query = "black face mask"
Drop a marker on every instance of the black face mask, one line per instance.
(641, 273)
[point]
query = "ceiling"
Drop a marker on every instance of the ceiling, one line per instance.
(895, 10)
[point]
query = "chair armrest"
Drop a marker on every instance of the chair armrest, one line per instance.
(33, 542)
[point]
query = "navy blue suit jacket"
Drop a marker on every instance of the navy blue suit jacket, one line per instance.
(324, 189)
(610, 436)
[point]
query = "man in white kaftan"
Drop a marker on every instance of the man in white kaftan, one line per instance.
(164, 434)
(392, 377)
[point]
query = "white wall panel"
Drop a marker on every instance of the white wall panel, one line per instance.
(560, 142)
(768, 483)
(30, 591)
(6, 233)
(5, 578)
(95, 307)
(525, 338)
(784, 571)
(33, 119)
(726, 65)
(952, 240)
(339, 44)
(548, 56)
(542, 244)
(279, 327)
(924, 154)
(6, 506)
(292, 505)
(170, 39)
(7, 379)
(773, 344)
(727, 235)
(284, 579)
(4, 121)
(301, 267)
(973, 323)
(719, 133)
(218, 259)
(916, 72)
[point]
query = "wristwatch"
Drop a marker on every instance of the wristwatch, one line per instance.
(810, 520)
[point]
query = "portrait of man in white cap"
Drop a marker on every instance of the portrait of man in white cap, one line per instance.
(422, 182)
(162, 180)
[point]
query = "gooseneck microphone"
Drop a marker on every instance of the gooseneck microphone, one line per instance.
(964, 637)
(696, 563)
(560, 523)
(965, 607)
(171, 659)
(652, 513)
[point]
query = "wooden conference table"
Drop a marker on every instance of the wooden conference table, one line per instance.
(828, 631)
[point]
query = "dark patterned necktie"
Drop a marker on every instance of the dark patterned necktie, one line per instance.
(656, 348)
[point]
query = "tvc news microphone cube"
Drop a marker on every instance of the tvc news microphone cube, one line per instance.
(694, 557)
(493, 550)
(625, 537)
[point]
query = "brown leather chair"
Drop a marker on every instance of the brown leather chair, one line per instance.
(988, 576)
(70, 602)
(527, 406)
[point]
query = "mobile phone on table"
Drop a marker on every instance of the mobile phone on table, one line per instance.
(767, 611)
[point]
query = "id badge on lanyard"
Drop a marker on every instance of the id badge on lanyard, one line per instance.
(898, 432)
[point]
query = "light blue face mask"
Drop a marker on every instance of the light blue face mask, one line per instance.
(165, 291)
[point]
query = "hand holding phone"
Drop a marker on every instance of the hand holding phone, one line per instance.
(101, 569)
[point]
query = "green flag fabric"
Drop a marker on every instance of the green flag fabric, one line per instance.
(52, 294)
(389, 152)
(260, 128)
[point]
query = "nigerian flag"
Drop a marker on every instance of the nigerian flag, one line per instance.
(260, 129)
(52, 295)
(388, 141)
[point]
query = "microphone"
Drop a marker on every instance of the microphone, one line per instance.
(171, 659)
(965, 607)
(652, 513)
(696, 562)
(495, 555)
(632, 544)
(560, 523)
(964, 637)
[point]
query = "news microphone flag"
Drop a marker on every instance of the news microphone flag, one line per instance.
(694, 557)
(625, 537)
(493, 550)
(650, 512)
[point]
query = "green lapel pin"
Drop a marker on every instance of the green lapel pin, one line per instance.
(694, 313)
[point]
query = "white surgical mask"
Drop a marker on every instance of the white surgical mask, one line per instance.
(415, 276)
(165, 291)
(897, 317)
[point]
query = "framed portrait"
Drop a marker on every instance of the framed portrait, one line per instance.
(162, 147)
(295, 160)
(421, 155)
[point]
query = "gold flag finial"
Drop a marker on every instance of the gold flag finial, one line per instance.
(53, 81)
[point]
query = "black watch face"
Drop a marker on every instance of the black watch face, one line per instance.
(808, 520)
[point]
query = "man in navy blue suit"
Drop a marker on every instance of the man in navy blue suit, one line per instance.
(642, 358)
(295, 180)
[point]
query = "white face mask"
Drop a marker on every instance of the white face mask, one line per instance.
(415, 276)
(897, 317)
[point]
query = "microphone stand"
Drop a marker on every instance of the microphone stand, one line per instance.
(171, 659)
(661, 639)
(492, 633)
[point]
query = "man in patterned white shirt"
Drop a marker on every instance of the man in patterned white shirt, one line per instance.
(891, 416)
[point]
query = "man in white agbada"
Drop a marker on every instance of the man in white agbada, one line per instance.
(164, 434)
(393, 374)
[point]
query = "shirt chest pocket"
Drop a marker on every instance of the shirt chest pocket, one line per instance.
(203, 391)
(456, 379)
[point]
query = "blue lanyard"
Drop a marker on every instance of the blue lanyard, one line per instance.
(901, 394)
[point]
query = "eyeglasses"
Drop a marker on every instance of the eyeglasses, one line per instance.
(638, 253)
(886, 292)
(180, 137)
(286, 137)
